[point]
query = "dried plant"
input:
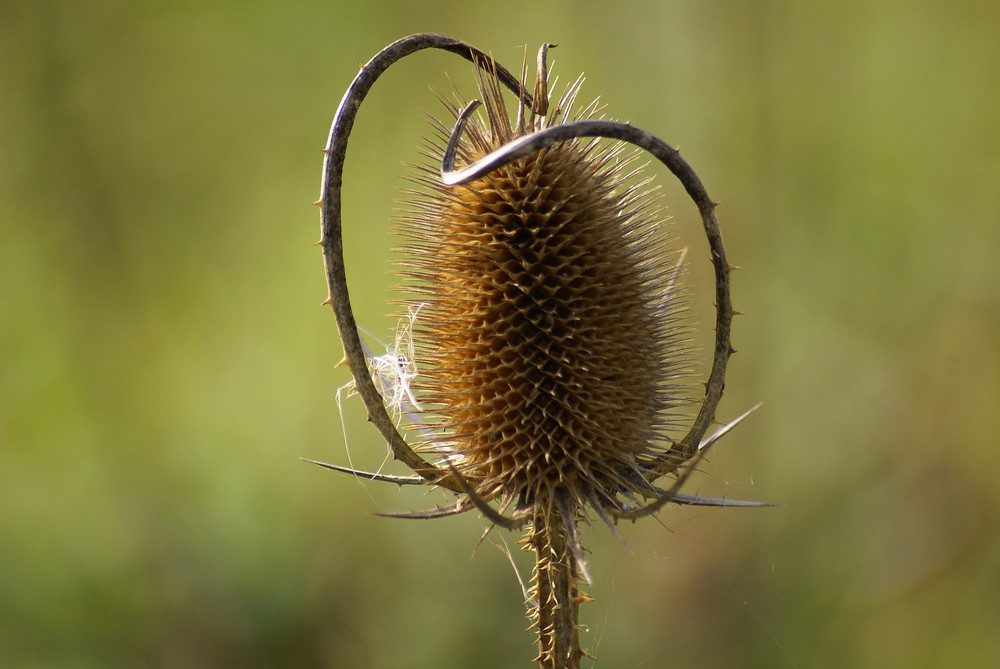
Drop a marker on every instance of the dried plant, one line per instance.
(552, 336)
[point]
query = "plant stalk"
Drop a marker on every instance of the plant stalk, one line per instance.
(555, 595)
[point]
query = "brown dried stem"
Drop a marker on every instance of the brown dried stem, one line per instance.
(555, 594)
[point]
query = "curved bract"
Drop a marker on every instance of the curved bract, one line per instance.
(332, 239)
(623, 132)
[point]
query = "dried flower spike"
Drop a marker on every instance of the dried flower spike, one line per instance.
(551, 336)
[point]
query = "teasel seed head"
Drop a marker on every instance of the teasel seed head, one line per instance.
(553, 337)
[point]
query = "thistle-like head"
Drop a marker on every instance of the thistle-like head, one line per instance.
(552, 338)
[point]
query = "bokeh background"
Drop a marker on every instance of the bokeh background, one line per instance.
(165, 359)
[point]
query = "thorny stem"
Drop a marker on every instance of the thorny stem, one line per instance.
(555, 596)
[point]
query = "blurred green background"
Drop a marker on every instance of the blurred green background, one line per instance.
(166, 361)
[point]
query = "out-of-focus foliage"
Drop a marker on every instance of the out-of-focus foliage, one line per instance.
(165, 359)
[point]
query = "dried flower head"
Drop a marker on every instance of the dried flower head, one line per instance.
(552, 339)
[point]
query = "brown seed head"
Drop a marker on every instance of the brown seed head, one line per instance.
(551, 336)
